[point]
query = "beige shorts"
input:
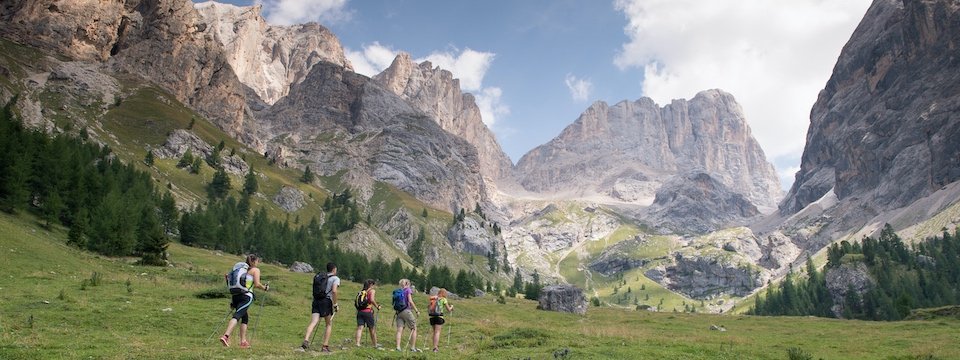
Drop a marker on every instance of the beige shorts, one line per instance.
(406, 318)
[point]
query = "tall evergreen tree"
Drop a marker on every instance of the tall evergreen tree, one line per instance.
(308, 176)
(250, 185)
(220, 185)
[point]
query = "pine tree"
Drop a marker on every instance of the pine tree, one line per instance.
(148, 159)
(308, 176)
(424, 213)
(416, 248)
(250, 185)
(196, 165)
(219, 186)
(152, 246)
(77, 234)
(186, 160)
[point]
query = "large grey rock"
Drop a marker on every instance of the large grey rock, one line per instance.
(628, 149)
(269, 58)
(336, 120)
(699, 203)
(882, 132)
(619, 258)
(704, 275)
(301, 267)
(436, 93)
(180, 141)
(842, 279)
(472, 237)
(289, 199)
(563, 298)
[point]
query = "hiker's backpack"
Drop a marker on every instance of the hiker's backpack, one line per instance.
(237, 278)
(399, 300)
(320, 285)
(434, 304)
(361, 302)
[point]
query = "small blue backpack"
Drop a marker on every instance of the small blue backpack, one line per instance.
(399, 300)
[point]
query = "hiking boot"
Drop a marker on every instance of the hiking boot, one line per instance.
(244, 344)
(225, 340)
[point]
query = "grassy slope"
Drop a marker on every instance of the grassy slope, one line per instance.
(108, 321)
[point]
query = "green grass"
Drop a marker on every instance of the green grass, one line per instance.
(46, 314)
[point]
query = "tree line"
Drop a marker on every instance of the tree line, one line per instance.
(903, 278)
(110, 208)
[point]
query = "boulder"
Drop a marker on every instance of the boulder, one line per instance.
(478, 293)
(289, 199)
(846, 277)
(563, 298)
(301, 267)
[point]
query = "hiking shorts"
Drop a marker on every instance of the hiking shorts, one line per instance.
(323, 306)
(406, 318)
(436, 320)
(242, 303)
(365, 318)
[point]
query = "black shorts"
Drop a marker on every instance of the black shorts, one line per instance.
(324, 307)
(242, 303)
(436, 320)
(365, 318)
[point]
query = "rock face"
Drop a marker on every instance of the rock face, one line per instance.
(472, 237)
(180, 141)
(337, 120)
(268, 58)
(617, 259)
(436, 93)
(701, 277)
(563, 298)
(699, 203)
(882, 130)
(289, 199)
(626, 151)
(163, 41)
(301, 267)
(844, 278)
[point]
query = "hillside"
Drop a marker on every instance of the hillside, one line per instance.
(160, 316)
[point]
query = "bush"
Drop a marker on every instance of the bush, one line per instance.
(796, 353)
(94, 280)
(214, 293)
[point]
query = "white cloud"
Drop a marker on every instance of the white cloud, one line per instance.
(372, 59)
(491, 108)
(787, 176)
(773, 56)
(289, 12)
(469, 66)
(579, 88)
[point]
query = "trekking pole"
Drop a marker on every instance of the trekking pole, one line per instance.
(449, 328)
(256, 323)
(219, 325)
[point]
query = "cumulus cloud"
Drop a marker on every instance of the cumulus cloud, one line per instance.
(579, 88)
(773, 56)
(289, 12)
(470, 66)
(372, 59)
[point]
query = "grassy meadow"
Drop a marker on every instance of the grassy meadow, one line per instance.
(52, 307)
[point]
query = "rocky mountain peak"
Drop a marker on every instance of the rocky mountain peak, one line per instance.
(268, 58)
(625, 152)
(882, 130)
(435, 92)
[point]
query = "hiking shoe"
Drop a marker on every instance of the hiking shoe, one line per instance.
(225, 340)
(436, 350)
(398, 350)
(325, 349)
(378, 347)
(415, 350)
(244, 344)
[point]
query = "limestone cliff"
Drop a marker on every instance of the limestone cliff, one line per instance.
(437, 93)
(882, 132)
(269, 58)
(626, 151)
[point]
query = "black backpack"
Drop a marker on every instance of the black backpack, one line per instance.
(361, 302)
(320, 285)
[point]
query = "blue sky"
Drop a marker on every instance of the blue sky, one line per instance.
(535, 65)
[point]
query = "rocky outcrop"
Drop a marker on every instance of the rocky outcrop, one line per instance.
(627, 150)
(267, 58)
(703, 276)
(289, 199)
(301, 267)
(619, 258)
(472, 236)
(163, 41)
(563, 298)
(697, 202)
(180, 141)
(847, 277)
(337, 120)
(882, 130)
(436, 93)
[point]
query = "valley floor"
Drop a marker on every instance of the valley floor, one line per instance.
(50, 309)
